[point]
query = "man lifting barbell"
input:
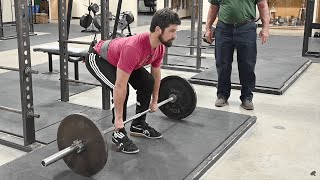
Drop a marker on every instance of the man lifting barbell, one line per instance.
(120, 61)
(82, 143)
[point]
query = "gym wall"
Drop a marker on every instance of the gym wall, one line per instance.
(8, 12)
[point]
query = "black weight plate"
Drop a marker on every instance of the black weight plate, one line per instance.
(97, 21)
(129, 17)
(94, 157)
(95, 8)
(85, 20)
(122, 24)
(186, 97)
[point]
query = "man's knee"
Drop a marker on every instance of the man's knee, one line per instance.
(149, 83)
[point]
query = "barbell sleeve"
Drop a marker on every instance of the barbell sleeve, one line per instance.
(171, 98)
(77, 145)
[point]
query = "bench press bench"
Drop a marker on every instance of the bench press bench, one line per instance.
(75, 55)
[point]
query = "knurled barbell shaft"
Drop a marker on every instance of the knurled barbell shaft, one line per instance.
(171, 98)
(79, 147)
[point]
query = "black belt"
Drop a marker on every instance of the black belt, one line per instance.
(239, 24)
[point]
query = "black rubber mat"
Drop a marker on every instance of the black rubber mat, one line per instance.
(273, 75)
(277, 47)
(46, 93)
(188, 148)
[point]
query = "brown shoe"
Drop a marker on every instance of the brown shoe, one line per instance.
(220, 102)
(247, 104)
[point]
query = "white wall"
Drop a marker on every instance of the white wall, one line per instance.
(205, 10)
(8, 13)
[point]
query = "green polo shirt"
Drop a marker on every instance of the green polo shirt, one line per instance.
(235, 11)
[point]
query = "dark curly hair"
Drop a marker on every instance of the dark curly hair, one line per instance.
(164, 18)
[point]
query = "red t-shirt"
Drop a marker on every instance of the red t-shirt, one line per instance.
(133, 52)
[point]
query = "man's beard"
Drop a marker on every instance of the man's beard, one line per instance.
(166, 43)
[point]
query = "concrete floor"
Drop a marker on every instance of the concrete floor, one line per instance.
(282, 145)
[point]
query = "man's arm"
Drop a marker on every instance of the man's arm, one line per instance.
(119, 96)
(212, 15)
(156, 73)
(265, 19)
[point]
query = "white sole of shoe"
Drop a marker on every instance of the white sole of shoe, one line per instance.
(143, 135)
(126, 152)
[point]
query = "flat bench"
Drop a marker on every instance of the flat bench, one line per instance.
(75, 55)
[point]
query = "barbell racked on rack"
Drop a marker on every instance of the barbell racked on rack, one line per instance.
(83, 145)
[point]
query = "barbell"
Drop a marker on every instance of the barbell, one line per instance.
(83, 145)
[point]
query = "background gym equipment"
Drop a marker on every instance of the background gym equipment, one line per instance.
(195, 41)
(27, 107)
(83, 145)
(87, 19)
(126, 18)
(10, 26)
(308, 28)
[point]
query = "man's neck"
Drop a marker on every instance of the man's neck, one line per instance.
(154, 40)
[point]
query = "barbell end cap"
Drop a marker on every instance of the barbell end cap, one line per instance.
(43, 163)
(174, 98)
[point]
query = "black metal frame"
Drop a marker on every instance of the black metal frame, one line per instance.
(191, 46)
(25, 72)
(31, 27)
(309, 26)
(64, 29)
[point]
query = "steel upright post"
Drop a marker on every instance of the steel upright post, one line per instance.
(1, 22)
(23, 39)
(165, 57)
(63, 36)
(104, 19)
(104, 36)
(308, 26)
(199, 34)
(193, 26)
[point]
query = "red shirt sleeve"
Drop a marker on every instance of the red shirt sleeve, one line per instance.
(129, 58)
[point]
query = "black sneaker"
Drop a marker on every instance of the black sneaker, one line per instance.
(144, 130)
(121, 141)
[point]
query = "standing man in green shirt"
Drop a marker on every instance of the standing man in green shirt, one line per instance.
(236, 29)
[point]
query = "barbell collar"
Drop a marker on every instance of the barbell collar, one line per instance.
(76, 146)
(172, 98)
